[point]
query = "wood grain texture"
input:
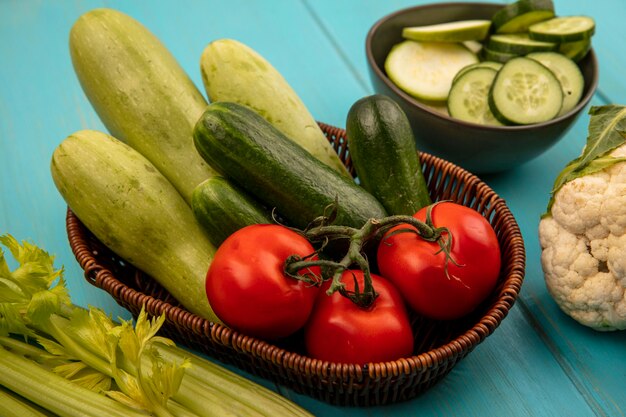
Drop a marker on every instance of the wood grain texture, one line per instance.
(538, 363)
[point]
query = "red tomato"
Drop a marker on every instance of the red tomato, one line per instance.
(340, 331)
(417, 267)
(247, 288)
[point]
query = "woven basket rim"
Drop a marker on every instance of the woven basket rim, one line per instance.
(99, 276)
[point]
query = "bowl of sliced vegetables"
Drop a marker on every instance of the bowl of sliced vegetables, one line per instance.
(486, 86)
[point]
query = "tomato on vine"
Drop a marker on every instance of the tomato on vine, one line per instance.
(248, 289)
(439, 285)
(341, 331)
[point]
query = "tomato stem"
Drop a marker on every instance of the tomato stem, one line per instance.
(294, 264)
(321, 232)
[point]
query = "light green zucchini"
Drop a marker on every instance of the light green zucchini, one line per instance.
(141, 93)
(234, 72)
(136, 212)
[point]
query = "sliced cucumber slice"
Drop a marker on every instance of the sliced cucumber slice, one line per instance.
(563, 29)
(469, 96)
(518, 43)
(425, 69)
(568, 74)
(490, 64)
(518, 16)
(484, 64)
(463, 30)
(575, 50)
(525, 92)
(495, 56)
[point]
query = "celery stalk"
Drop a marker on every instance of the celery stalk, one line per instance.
(14, 406)
(55, 393)
(178, 410)
(151, 373)
(209, 401)
(24, 349)
(217, 380)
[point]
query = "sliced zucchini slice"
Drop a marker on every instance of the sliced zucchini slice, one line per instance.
(525, 92)
(474, 46)
(469, 96)
(518, 16)
(425, 69)
(459, 31)
(518, 43)
(563, 29)
(568, 74)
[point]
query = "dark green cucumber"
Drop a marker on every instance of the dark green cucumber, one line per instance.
(384, 154)
(252, 153)
(222, 209)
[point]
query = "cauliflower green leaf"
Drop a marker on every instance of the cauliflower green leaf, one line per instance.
(607, 131)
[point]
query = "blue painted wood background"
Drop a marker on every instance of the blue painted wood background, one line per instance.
(538, 363)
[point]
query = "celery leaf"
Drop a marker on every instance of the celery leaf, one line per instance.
(164, 379)
(31, 292)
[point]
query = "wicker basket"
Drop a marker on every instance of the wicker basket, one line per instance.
(439, 345)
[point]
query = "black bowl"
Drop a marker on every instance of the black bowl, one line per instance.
(477, 148)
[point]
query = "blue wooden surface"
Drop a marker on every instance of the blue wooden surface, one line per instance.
(538, 363)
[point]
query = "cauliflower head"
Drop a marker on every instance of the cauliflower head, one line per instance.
(583, 242)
